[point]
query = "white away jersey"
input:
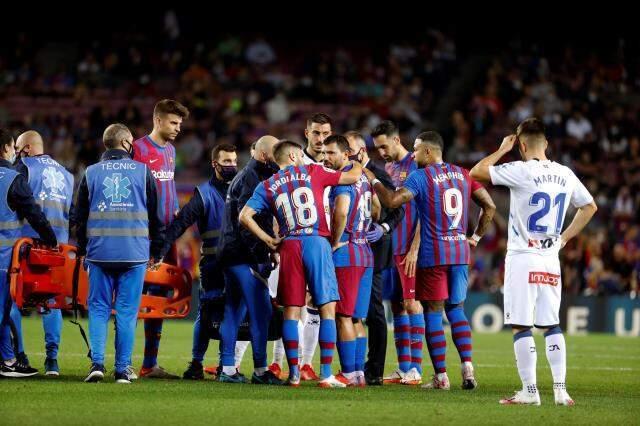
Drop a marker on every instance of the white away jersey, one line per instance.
(540, 195)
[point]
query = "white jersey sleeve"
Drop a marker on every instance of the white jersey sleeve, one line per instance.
(508, 174)
(580, 196)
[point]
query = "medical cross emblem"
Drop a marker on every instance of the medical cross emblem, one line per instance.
(116, 187)
(53, 179)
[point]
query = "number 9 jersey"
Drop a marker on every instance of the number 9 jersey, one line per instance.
(295, 195)
(540, 195)
(442, 193)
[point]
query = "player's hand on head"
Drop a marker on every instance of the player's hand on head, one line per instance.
(508, 143)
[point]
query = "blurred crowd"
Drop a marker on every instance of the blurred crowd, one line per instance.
(241, 87)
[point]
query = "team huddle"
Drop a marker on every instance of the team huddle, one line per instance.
(310, 235)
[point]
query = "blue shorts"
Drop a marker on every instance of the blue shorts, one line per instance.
(364, 295)
(306, 261)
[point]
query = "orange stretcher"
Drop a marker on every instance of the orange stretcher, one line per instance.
(44, 277)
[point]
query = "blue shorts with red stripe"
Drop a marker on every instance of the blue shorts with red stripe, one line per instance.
(306, 261)
(442, 282)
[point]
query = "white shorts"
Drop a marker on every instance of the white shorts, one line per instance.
(532, 289)
(273, 282)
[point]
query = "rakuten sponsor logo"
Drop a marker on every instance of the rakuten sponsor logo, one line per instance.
(544, 278)
(162, 174)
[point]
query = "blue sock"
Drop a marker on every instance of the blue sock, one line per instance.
(436, 341)
(417, 335)
(290, 342)
(361, 352)
(402, 336)
(460, 332)
(327, 339)
(347, 353)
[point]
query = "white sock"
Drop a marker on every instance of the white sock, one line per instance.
(241, 348)
(351, 375)
(526, 358)
(260, 371)
(278, 352)
(556, 355)
(229, 371)
(310, 334)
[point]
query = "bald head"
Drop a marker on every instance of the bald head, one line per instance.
(263, 150)
(29, 144)
(357, 145)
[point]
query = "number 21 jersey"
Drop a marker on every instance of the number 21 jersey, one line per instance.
(540, 195)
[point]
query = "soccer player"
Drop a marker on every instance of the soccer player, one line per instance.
(157, 152)
(541, 191)
(353, 208)
(408, 319)
(120, 231)
(442, 192)
(52, 185)
(206, 208)
(317, 129)
(16, 203)
(295, 196)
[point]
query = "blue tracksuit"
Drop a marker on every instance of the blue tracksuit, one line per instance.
(118, 227)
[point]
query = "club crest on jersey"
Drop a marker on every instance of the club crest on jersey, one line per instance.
(403, 175)
(544, 278)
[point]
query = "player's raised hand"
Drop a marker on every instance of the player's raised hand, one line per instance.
(508, 143)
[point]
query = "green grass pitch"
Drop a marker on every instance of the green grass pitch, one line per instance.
(603, 378)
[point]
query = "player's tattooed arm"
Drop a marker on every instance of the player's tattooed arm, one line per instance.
(339, 221)
(388, 198)
(376, 208)
(350, 177)
(246, 219)
(580, 220)
(488, 209)
(480, 171)
(411, 259)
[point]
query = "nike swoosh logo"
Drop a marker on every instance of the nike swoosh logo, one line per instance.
(153, 161)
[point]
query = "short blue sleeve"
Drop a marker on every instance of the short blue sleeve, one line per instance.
(415, 181)
(258, 200)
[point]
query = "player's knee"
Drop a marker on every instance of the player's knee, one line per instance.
(435, 305)
(551, 330)
(517, 329)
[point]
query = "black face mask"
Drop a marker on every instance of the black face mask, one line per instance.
(356, 156)
(129, 150)
(227, 172)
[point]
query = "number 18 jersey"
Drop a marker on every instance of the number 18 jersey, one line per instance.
(540, 195)
(295, 196)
